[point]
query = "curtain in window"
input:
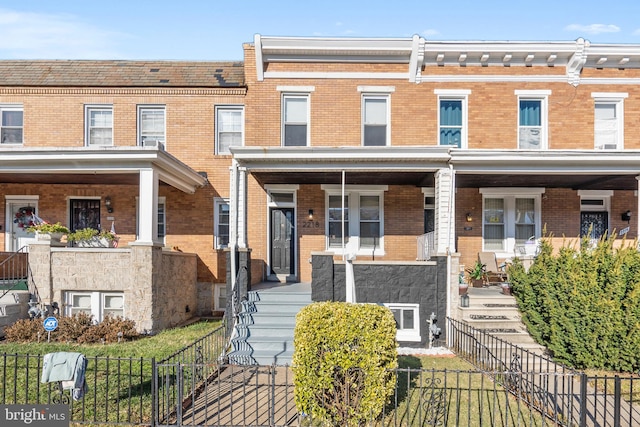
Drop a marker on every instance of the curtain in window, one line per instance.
(530, 113)
(295, 121)
(606, 126)
(530, 124)
(494, 224)
(525, 220)
(450, 122)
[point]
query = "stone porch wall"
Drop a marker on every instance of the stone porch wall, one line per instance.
(159, 287)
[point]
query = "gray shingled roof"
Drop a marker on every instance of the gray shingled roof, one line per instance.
(114, 73)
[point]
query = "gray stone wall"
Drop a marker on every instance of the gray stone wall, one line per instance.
(158, 285)
(424, 282)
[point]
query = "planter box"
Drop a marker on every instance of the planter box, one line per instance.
(55, 238)
(95, 242)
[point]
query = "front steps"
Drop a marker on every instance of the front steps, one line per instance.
(13, 307)
(264, 334)
(497, 314)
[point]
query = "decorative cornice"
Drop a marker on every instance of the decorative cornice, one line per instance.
(7, 90)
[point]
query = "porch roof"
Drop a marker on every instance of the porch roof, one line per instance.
(99, 165)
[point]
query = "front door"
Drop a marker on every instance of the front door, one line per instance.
(282, 246)
(593, 225)
(21, 216)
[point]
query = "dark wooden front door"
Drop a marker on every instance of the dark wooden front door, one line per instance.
(593, 224)
(282, 240)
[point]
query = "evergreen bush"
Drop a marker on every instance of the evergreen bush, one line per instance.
(343, 361)
(583, 303)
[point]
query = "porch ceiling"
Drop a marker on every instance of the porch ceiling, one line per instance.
(66, 178)
(576, 182)
(418, 179)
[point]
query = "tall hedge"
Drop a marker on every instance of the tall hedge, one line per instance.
(583, 303)
(343, 361)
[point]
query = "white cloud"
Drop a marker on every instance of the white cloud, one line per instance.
(593, 28)
(430, 32)
(28, 35)
(636, 32)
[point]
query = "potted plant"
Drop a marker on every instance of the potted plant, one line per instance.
(92, 238)
(463, 286)
(477, 275)
(54, 232)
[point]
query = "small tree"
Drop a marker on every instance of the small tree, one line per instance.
(343, 361)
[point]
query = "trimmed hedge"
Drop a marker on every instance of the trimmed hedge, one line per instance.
(343, 361)
(584, 303)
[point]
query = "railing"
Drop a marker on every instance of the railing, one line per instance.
(14, 270)
(425, 246)
(563, 395)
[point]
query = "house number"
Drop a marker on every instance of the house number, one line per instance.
(310, 224)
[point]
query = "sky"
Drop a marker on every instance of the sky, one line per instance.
(205, 30)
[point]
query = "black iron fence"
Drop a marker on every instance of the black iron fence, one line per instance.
(194, 387)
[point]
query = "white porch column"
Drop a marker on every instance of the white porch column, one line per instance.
(445, 211)
(148, 207)
(242, 208)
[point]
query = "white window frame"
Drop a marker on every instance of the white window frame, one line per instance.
(88, 110)
(217, 202)
(354, 192)
(376, 96)
(307, 123)
(142, 140)
(224, 108)
(509, 196)
(617, 100)
(461, 95)
(220, 292)
(543, 97)
(7, 108)
(402, 334)
(97, 306)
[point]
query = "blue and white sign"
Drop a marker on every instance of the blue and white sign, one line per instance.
(50, 324)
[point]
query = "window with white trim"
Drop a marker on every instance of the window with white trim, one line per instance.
(99, 122)
(510, 219)
(220, 297)
(221, 223)
(362, 216)
(407, 318)
(11, 124)
(452, 117)
(375, 120)
(96, 304)
(532, 119)
(229, 127)
(162, 218)
(295, 120)
(151, 125)
(608, 120)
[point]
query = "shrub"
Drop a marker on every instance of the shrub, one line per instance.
(78, 328)
(584, 303)
(343, 361)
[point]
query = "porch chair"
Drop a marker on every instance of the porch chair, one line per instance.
(495, 274)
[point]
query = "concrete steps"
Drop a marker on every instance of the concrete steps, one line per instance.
(264, 334)
(13, 307)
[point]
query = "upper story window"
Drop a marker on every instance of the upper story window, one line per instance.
(452, 117)
(229, 128)
(99, 125)
(295, 114)
(532, 119)
(376, 115)
(151, 125)
(609, 120)
(11, 124)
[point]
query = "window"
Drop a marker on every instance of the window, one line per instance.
(11, 125)
(407, 318)
(220, 297)
(375, 119)
(362, 216)
(85, 213)
(452, 117)
(532, 119)
(429, 210)
(609, 120)
(162, 218)
(295, 113)
(229, 128)
(510, 219)
(221, 223)
(151, 122)
(97, 304)
(99, 126)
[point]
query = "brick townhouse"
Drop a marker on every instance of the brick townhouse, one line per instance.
(403, 157)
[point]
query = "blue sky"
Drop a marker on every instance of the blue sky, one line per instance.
(216, 29)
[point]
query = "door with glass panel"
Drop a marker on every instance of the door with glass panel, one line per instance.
(282, 245)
